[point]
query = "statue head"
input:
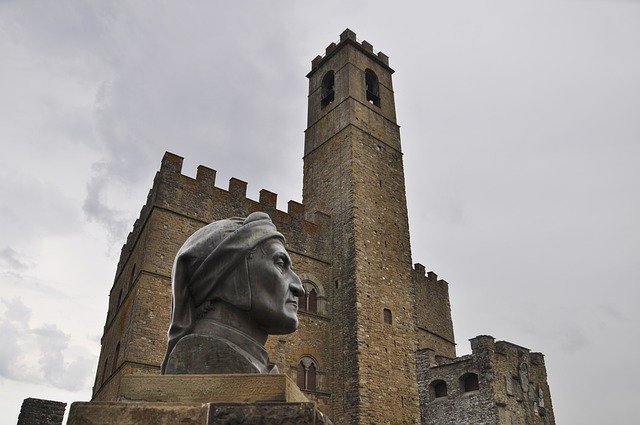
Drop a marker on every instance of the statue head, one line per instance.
(239, 265)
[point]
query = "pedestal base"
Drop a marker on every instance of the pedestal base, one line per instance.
(202, 400)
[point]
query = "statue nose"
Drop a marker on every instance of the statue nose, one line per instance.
(296, 285)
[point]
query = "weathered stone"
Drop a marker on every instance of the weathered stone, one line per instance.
(249, 388)
(35, 411)
(267, 414)
(115, 413)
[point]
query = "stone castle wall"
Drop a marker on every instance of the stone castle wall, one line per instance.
(433, 313)
(177, 206)
(512, 386)
(382, 337)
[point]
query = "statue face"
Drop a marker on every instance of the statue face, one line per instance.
(274, 288)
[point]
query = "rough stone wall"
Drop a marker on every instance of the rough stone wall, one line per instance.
(458, 407)
(176, 207)
(521, 389)
(508, 394)
(35, 411)
(433, 313)
(334, 159)
(353, 168)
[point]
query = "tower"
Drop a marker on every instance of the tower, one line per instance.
(353, 171)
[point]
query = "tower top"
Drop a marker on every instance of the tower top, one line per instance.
(349, 37)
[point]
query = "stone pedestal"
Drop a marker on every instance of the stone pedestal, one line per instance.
(202, 400)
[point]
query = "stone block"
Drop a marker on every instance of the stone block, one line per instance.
(239, 388)
(121, 413)
(266, 414)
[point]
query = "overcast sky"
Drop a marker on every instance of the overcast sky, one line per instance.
(520, 130)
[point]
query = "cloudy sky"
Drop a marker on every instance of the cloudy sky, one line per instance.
(521, 134)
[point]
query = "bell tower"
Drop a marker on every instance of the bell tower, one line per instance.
(353, 171)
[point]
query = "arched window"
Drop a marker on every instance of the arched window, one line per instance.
(439, 389)
(373, 87)
(470, 382)
(309, 301)
(307, 374)
(301, 378)
(311, 377)
(328, 94)
(387, 316)
(312, 306)
(302, 302)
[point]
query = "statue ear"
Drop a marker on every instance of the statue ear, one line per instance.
(236, 289)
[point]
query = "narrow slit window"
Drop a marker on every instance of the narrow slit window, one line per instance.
(387, 316)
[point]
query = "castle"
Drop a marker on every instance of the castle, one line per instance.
(375, 343)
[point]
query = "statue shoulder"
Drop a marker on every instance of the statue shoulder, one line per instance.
(203, 354)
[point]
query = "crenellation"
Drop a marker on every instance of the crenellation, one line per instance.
(171, 163)
(295, 210)
(206, 176)
(383, 58)
(349, 36)
(237, 188)
(268, 199)
(330, 48)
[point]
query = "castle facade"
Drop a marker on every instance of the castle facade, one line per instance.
(375, 343)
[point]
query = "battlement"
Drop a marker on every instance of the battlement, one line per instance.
(200, 199)
(349, 37)
(429, 277)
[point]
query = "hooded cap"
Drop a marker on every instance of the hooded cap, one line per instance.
(203, 263)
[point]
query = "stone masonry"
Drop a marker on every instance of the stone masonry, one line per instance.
(380, 331)
(511, 386)
(35, 411)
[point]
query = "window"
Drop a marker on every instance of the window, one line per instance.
(120, 297)
(387, 316)
(439, 389)
(117, 355)
(307, 374)
(313, 301)
(309, 301)
(373, 87)
(133, 275)
(104, 369)
(302, 302)
(470, 382)
(328, 94)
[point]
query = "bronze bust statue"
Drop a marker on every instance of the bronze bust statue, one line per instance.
(233, 285)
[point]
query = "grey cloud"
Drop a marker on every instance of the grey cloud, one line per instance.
(11, 258)
(154, 102)
(95, 209)
(56, 371)
(53, 365)
(33, 210)
(24, 280)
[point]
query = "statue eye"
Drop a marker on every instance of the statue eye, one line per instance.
(280, 262)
